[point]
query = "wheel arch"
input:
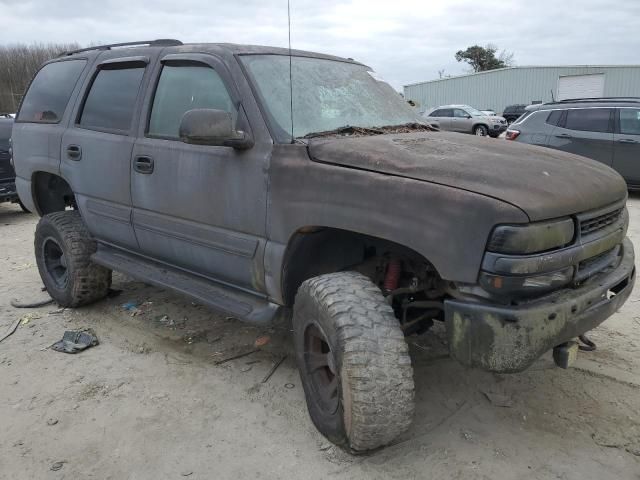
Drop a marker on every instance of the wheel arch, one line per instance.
(316, 250)
(51, 193)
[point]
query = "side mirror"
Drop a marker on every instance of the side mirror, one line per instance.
(207, 126)
(467, 116)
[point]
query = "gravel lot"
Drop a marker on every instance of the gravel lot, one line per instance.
(150, 402)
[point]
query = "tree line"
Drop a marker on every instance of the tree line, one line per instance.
(18, 64)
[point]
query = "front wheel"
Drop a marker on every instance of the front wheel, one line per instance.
(480, 131)
(353, 360)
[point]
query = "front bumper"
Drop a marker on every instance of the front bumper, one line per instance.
(508, 339)
(8, 192)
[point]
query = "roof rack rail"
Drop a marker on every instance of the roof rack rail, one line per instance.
(596, 99)
(161, 42)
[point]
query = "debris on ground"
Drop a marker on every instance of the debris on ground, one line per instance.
(131, 305)
(40, 303)
(289, 386)
(11, 330)
(589, 345)
(25, 319)
(58, 465)
(262, 341)
(74, 341)
(233, 357)
(52, 421)
(498, 399)
(273, 369)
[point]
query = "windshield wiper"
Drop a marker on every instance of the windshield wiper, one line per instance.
(347, 130)
(352, 130)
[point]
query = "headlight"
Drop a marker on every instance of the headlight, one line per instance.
(531, 238)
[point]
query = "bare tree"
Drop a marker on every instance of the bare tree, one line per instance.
(18, 64)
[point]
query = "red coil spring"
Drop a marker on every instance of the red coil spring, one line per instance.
(392, 277)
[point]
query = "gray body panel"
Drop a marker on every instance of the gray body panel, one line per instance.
(226, 216)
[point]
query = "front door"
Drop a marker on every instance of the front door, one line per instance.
(97, 146)
(587, 132)
(200, 208)
(461, 121)
(626, 145)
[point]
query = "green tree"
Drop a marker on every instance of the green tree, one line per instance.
(482, 59)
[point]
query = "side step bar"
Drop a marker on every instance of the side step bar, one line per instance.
(237, 303)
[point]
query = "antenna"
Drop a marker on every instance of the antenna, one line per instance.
(293, 140)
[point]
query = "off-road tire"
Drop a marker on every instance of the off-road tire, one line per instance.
(86, 282)
(480, 131)
(372, 363)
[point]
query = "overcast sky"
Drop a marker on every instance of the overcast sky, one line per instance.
(404, 41)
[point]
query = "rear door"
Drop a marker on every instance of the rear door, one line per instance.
(626, 150)
(443, 115)
(97, 146)
(200, 208)
(587, 132)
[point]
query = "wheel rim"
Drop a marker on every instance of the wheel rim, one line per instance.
(480, 132)
(320, 365)
(55, 262)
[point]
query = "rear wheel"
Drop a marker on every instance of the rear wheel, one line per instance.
(353, 361)
(63, 248)
(480, 131)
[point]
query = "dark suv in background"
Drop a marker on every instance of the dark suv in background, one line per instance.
(513, 112)
(7, 175)
(604, 129)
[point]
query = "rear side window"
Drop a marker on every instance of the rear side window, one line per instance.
(184, 88)
(630, 121)
(49, 93)
(589, 119)
(554, 117)
(111, 99)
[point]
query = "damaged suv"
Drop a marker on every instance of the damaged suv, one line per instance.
(192, 167)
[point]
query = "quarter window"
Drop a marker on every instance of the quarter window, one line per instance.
(630, 121)
(554, 117)
(589, 119)
(184, 88)
(49, 93)
(111, 101)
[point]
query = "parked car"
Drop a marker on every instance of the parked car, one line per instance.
(356, 221)
(513, 112)
(466, 119)
(7, 174)
(604, 129)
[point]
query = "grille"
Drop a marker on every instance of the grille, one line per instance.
(601, 221)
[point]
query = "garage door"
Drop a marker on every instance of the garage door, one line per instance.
(581, 86)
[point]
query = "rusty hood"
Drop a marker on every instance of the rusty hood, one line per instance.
(542, 182)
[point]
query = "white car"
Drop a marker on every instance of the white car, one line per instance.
(466, 119)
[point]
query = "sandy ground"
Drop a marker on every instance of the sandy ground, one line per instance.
(150, 402)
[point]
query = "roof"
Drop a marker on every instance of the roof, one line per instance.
(520, 67)
(600, 102)
(233, 48)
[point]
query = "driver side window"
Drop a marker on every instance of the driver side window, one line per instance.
(460, 113)
(182, 88)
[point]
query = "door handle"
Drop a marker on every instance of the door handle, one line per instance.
(627, 140)
(74, 152)
(143, 164)
(563, 135)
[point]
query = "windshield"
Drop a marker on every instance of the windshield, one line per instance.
(327, 95)
(475, 113)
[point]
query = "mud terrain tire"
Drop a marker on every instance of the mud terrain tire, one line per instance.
(353, 360)
(63, 248)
